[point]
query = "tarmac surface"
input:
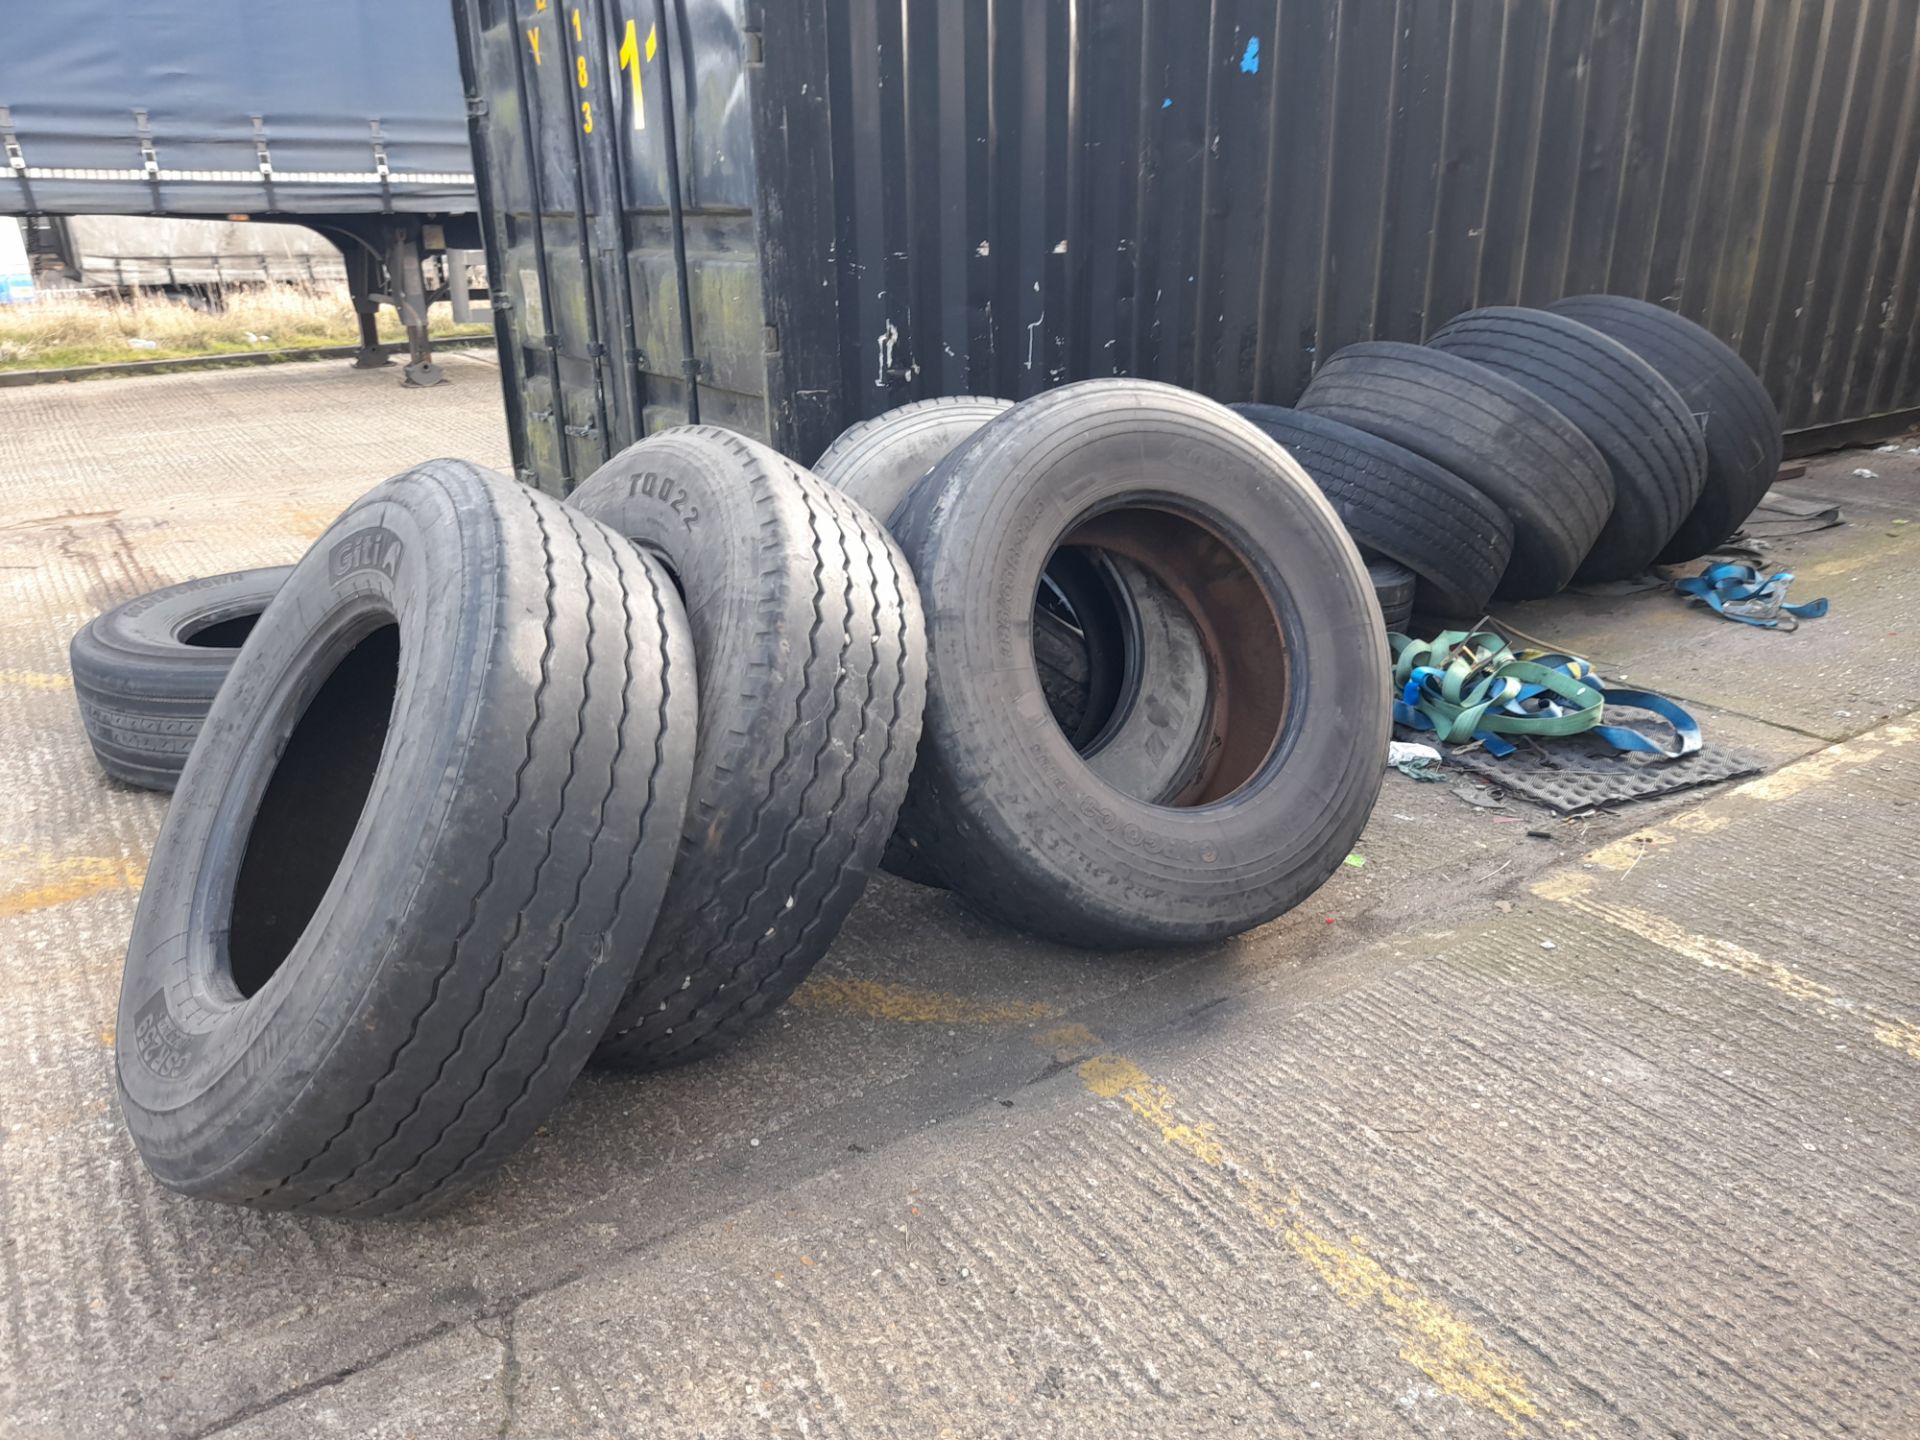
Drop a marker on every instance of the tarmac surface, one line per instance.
(1525, 1126)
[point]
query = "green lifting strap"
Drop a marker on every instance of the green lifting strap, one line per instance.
(1464, 685)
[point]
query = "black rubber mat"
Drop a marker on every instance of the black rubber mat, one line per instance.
(1580, 772)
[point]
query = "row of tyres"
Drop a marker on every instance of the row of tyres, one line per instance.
(1522, 450)
(496, 786)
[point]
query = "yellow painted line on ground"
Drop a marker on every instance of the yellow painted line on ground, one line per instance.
(61, 881)
(1824, 764)
(35, 680)
(1578, 891)
(1789, 780)
(1434, 1340)
(906, 1004)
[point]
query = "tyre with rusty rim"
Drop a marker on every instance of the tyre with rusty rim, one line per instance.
(1120, 663)
(1216, 511)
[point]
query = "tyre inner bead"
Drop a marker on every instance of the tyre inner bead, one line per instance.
(310, 806)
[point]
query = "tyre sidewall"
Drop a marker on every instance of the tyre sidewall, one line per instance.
(979, 531)
(200, 1065)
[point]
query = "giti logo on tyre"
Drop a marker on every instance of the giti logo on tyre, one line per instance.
(375, 548)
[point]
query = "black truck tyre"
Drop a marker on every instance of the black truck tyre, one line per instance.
(878, 461)
(1737, 419)
(812, 663)
(1022, 827)
(409, 866)
(144, 673)
(1635, 418)
(1401, 505)
(1493, 433)
(1119, 660)
(1125, 677)
(1393, 586)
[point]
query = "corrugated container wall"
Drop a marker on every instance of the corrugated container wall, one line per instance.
(786, 215)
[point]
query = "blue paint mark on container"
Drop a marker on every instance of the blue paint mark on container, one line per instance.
(1250, 57)
(1167, 104)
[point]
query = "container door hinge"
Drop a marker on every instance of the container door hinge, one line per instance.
(476, 106)
(500, 300)
(582, 432)
(694, 368)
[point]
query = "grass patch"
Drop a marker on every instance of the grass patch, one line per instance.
(65, 328)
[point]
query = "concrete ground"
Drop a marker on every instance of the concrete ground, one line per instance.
(1527, 1126)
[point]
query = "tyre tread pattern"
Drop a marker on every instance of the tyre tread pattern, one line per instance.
(1496, 435)
(475, 1050)
(1401, 505)
(1740, 428)
(727, 950)
(1638, 421)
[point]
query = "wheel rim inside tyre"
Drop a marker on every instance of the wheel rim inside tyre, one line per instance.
(1240, 631)
(305, 808)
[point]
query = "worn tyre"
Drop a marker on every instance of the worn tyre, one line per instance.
(1738, 423)
(1393, 586)
(1634, 417)
(413, 858)
(1023, 828)
(878, 461)
(1119, 661)
(1401, 505)
(1497, 435)
(145, 673)
(809, 645)
(1125, 678)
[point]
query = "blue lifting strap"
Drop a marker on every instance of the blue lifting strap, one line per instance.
(1740, 592)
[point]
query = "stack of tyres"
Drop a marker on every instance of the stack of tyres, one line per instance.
(1497, 435)
(456, 781)
(1638, 422)
(488, 786)
(1606, 434)
(1739, 427)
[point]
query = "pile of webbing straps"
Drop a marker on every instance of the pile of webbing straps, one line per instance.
(1465, 686)
(1740, 592)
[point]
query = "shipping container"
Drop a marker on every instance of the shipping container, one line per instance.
(784, 216)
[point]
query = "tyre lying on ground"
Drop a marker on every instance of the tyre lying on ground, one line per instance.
(1020, 825)
(1739, 425)
(1402, 506)
(1497, 435)
(812, 669)
(1634, 417)
(145, 673)
(413, 859)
